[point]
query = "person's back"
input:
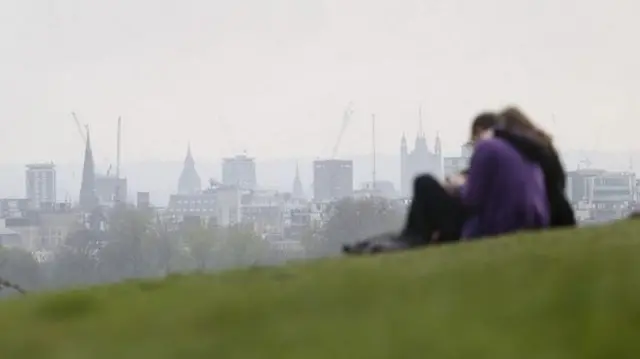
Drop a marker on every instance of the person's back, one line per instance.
(561, 213)
(504, 192)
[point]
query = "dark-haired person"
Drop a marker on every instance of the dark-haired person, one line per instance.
(537, 146)
(504, 192)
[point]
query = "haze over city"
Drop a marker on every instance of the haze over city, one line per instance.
(273, 77)
(148, 147)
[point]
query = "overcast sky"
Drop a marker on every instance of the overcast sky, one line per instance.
(273, 76)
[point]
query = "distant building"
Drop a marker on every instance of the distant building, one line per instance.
(384, 189)
(189, 182)
(8, 237)
(198, 205)
(143, 200)
(606, 195)
(421, 160)
(456, 164)
(219, 206)
(332, 179)
(42, 230)
(14, 207)
(264, 211)
(54, 228)
(111, 190)
(41, 184)
(239, 171)
(28, 230)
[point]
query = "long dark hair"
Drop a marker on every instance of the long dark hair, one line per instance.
(513, 119)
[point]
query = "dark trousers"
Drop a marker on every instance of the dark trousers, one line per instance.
(435, 215)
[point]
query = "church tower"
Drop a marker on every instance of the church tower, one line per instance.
(88, 197)
(189, 182)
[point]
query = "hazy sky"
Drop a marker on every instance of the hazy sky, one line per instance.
(273, 76)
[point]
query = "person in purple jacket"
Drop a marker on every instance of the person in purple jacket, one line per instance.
(503, 192)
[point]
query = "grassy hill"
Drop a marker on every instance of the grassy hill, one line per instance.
(568, 294)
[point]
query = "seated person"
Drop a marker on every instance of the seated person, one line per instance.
(503, 191)
(537, 146)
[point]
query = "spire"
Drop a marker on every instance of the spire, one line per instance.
(438, 147)
(189, 182)
(298, 192)
(420, 145)
(189, 159)
(88, 198)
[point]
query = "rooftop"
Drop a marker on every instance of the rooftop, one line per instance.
(41, 166)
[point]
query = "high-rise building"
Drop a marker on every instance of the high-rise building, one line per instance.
(332, 179)
(239, 171)
(41, 185)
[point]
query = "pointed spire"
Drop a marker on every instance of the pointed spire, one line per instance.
(189, 182)
(438, 147)
(88, 198)
(189, 156)
(421, 139)
(298, 191)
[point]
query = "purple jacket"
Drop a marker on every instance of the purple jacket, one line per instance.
(504, 192)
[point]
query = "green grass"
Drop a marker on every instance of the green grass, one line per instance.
(567, 294)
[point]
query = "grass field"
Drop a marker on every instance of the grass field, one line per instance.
(568, 294)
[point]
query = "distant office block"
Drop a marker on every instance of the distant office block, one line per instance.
(332, 179)
(41, 185)
(143, 200)
(239, 171)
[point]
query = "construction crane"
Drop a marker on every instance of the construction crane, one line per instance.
(79, 127)
(346, 119)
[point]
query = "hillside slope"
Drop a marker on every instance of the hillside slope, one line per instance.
(567, 294)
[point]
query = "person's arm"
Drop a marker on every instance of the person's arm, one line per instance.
(481, 171)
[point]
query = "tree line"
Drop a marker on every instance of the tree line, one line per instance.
(135, 244)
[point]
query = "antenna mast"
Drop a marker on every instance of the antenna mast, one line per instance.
(373, 142)
(118, 144)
